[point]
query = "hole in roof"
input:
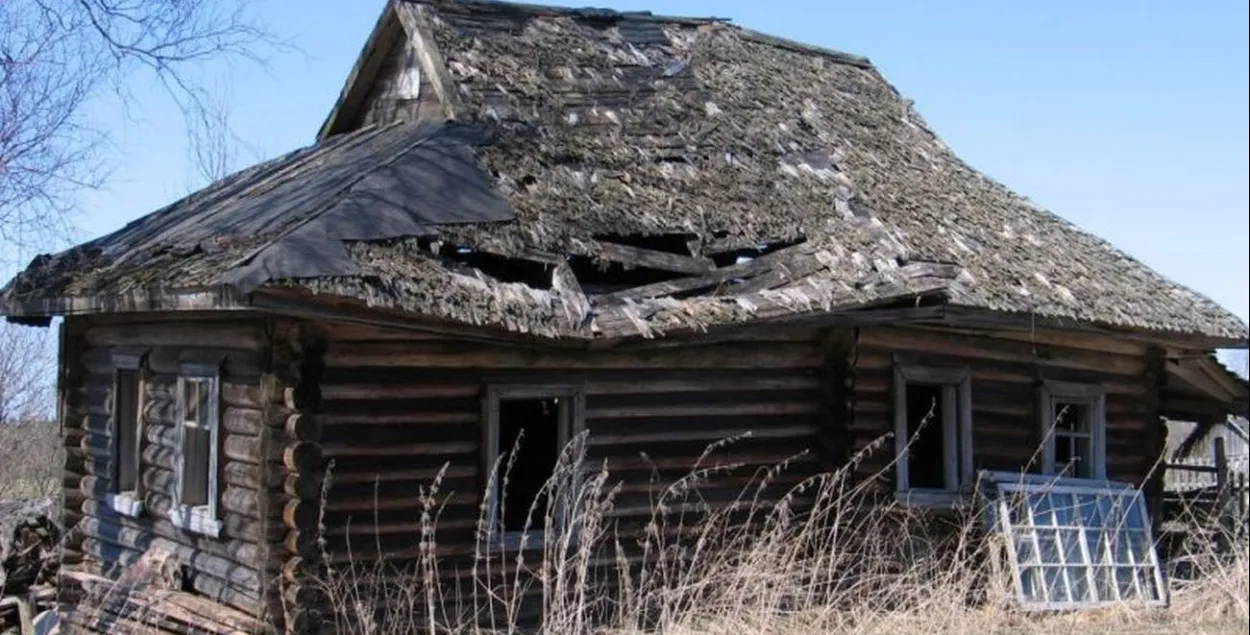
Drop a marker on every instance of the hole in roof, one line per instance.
(668, 243)
(502, 268)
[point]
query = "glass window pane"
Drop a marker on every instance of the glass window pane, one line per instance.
(1093, 545)
(1025, 552)
(1043, 515)
(1080, 584)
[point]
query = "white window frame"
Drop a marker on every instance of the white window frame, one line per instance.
(998, 519)
(956, 422)
(1092, 396)
(572, 421)
(200, 519)
(127, 502)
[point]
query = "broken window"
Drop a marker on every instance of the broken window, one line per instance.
(1074, 429)
(933, 432)
(126, 428)
(1075, 543)
(199, 419)
(527, 430)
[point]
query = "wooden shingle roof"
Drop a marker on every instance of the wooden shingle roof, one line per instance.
(615, 133)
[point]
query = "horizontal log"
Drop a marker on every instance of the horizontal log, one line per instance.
(234, 525)
(254, 450)
(1061, 339)
(405, 473)
(238, 335)
(249, 396)
(202, 563)
(699, 384)
(442, 355)
(798, 432)
(336, 450)
(929, 342)
(347, 331)
(705, 410)
(239, 366)
(160, 461)
(241, 552)
(369, 391)
(405, 419)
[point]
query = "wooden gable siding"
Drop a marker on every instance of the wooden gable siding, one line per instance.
(386, 101)
(394, 408)
(236, 568)
(1006, 368)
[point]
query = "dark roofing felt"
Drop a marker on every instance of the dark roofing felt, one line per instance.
(611, 124)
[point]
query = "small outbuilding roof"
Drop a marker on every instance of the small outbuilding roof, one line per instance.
(615, 174)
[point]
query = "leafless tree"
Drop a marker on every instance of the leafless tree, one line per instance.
(27, 373)
(58, 56)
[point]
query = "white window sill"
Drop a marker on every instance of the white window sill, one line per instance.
(196, 520)
(126, 504)
(931, 498)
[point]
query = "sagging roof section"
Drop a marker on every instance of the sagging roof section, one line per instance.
(673, 173)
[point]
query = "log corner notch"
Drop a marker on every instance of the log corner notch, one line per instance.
(299, 365)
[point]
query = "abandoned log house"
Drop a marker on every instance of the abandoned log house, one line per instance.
(654, 232)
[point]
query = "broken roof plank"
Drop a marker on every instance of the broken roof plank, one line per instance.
(754, 267)
(650, 258)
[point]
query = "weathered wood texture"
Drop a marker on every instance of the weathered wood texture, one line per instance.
(1006, 369)
(237, 568)
(402, 92)
(392, 409)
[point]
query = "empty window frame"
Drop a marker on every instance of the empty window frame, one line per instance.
(126, 432)
(526, 429)
(199, 421)
(1073, 426)
(932, 432)
(1076, 542)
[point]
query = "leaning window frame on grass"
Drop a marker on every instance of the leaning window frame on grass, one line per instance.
(572, 422)
(126, 431)
(1094, 401)
(199, 445)
(1075, 543)
(955, 418)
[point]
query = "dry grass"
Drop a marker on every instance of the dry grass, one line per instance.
(30, 460)
(820, 561)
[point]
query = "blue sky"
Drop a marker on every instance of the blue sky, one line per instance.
(1128, 117)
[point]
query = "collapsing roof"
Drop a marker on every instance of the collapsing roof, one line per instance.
(619, 174)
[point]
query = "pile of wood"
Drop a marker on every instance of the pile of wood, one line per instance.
(30, 540)
(142, 604)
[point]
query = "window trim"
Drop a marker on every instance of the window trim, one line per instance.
(1092, 395)
(572, 425)
(200, 519)
(128, 502)
(957, 447)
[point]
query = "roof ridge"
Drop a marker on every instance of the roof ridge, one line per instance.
(760, 37)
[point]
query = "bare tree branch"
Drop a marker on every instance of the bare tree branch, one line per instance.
(56, 56)
(27, 373)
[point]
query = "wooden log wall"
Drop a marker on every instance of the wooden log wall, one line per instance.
(1006, 369)
(239, 568)
(393, 409)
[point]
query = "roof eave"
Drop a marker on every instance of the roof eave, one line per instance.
(983, 317)
(40, 309)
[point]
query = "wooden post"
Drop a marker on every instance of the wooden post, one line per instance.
(1223, 538)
